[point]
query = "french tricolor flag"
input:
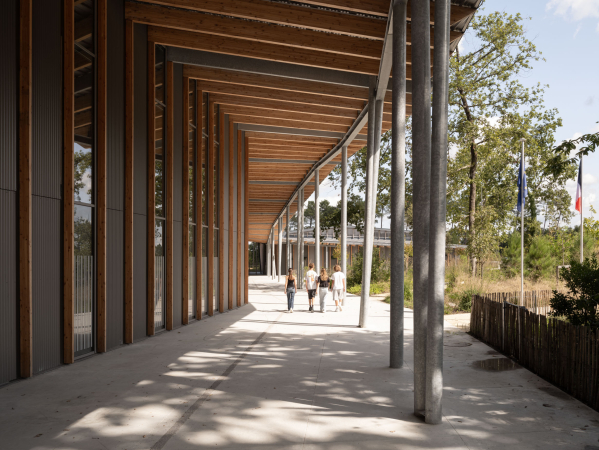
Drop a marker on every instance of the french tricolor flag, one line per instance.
(579, 190)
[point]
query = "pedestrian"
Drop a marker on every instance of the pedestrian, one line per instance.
(322, 289)
(290, 289)
(338, 287)
(311, 277)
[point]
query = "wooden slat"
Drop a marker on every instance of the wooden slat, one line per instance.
(198, 196)
(25, 212)
(210, 218)
(239, 214)
(151, 193)
(185, 203)
(129, 152)
(289, 123)
(274, 114)
(261, 50)
(246, 223)
(253, 31)
(84, 29)
(285, 14)
(221, 212)
(68, 181)
(291, 137)
(170, 143)
(101, 174)
(231, 149)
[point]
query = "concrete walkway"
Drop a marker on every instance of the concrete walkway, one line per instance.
(258, 378)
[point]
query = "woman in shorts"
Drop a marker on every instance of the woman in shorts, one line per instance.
(338, 287)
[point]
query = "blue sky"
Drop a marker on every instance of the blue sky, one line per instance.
(567, 33)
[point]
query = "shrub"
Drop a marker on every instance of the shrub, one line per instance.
(380, 269)
(463, 299)
(579, 305)
(511, 256)
(539, 262)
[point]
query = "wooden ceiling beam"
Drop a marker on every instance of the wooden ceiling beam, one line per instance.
(288, 123)
(287, 14)
(265, 51)
(274, 114)
(276, 94)
(290, 137)
(84, 29)
(251, 30)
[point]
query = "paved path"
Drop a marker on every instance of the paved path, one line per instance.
(258, 378)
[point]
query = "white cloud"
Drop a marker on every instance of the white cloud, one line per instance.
(574, 9)
(577, 30)
(588, 179)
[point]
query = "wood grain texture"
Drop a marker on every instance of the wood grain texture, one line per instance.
(239, 216)
(185, 203)
(129, 152)
(101, 187)
(210, 218)
(230, 150)
(168, 188)
(25, 218)
(265, 51)
(221, 212)
(151, 186)
(246, 217)
(68, 174)
(199, 210)
(289, 123)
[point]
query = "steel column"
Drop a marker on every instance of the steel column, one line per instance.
(268, 255)
(317, 220)
(344, 209)
(288, 242)
(436, 293)
(398, 183)
(297, 242)
(280, 248)
(421, 161)
(301, 238)
(272, 255)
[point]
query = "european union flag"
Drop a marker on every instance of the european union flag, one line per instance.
(520, 199)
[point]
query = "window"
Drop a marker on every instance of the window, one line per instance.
(192, 136)
(204, 181)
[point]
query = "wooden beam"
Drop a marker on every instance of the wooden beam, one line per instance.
(221, 212)
(265, 51)
(129, 187)
(210, 218)
(185, 204)
(246, 220)
(291, 137)
(239, 214)
(286, 14)
(68, 181)
(230, 150)
(25, 192)
(186, 20)
(84, 28)
(101, 184)
(198, 195)
(151, 259)
(289, 123)
(274, 114)
(170, 143)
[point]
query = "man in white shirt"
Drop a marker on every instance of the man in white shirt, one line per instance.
(338, 285)
(311, 277)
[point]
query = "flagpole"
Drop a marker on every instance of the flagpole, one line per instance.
(581, 221)
(522, 224)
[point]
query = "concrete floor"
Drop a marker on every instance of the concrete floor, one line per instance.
(257, 378)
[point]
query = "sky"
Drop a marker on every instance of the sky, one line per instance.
(567, 34)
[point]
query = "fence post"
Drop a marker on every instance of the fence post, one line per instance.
(503, 326)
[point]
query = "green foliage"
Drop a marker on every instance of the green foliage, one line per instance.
(539, 261)
(380, 269)
(463, 299)
(562, 163)
(511, 255)
(580, 304)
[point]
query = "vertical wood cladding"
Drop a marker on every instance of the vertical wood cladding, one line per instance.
(140, 176)
(115, 281)
(47, 283)
(9, 91)
(177, 284)
(116, 105)
(47, 99)
(8, 286)
(177, 197)
(139, 276)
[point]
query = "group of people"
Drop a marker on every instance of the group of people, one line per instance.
(317, 285)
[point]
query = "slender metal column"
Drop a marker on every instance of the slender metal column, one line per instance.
(436, 293)
(288, 242)
(280, 248)
(344, 209)
(398, 183)
(301, 239)
(421, 162)
(268, 254)
(317, 220)
(370, 203)
(272, 254)
(297, 243)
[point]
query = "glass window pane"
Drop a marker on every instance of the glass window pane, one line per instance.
(204, 181)
(83, 244)
(192, 240)
(159, 237)
(159, 186)
(216, 185)
(83, 173)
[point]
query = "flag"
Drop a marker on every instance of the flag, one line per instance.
(579, 189)
(520, 187)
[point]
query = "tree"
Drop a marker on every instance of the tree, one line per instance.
(539, 260)
(310, 213)
(490, 111)
(562, 161)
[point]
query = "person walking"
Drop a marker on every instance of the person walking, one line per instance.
(290, 289)
(311, 277)
(338, 287)
(322, 289)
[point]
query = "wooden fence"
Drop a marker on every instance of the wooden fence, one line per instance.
(561, 353)
(534, 301)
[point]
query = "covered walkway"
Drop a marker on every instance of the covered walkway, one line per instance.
(257, 378)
